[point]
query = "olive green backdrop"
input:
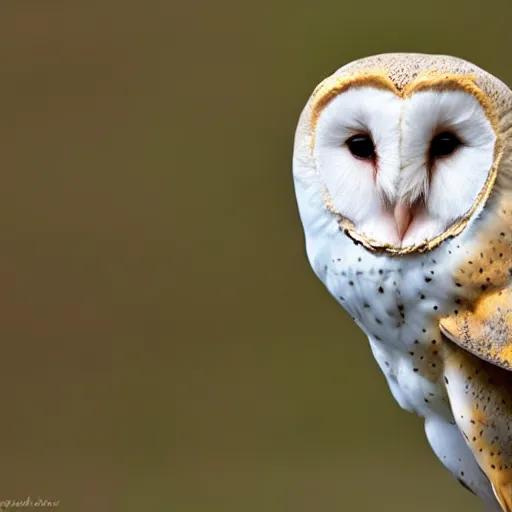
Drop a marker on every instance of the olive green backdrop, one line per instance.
(165, 345)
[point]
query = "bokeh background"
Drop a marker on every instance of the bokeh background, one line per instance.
(165, 345)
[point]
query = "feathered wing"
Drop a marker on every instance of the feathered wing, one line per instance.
(485, 328)
(479, 385)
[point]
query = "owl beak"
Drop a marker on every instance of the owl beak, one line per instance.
(403, 217)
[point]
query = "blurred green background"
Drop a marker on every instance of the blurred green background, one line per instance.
(166, 346)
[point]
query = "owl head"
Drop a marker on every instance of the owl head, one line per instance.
(403, 150)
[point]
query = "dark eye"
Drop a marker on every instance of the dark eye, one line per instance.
(443, 144)
(361, 146)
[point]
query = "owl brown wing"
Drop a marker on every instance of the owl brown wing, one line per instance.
(485, 328)
(481, 393)
(480, 396)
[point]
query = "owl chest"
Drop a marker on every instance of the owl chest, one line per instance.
(398, 309)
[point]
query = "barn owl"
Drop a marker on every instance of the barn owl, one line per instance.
(402, 169)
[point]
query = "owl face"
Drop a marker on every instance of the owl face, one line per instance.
(403, 164)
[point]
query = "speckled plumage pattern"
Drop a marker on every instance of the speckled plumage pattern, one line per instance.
(399, 301)
(402, 68)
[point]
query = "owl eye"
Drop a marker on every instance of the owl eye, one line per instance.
(443, 144)
(361, 146)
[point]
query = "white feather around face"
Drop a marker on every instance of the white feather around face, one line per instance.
(361, 190)
(440, 190)
(451, 185)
